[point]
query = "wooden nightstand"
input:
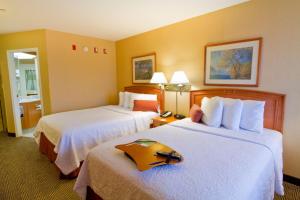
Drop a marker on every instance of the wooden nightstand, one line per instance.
(159, 121)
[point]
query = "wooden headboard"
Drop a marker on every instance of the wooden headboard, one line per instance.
(274, 107)
(149, 90)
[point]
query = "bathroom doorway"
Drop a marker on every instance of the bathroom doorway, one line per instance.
(25, 90)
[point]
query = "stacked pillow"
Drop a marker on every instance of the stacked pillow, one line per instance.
(253, 116)
(212, 111)
(233, 113)
(121, 98)
(138, 102)
(136, 96)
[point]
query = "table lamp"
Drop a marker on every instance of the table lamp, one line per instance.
(158, 78)
(179, 78)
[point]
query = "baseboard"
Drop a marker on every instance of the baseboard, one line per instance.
(291, 179)
(11, 134)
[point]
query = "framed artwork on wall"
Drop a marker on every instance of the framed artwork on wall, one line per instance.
(143, 68)
(233, 63)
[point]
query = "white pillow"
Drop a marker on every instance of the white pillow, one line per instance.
(253, 115)
(212, 111)
(121, 98)
(232, 113)
(127, 97)
(136, 96)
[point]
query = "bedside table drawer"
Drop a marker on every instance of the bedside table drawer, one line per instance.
(158, 123)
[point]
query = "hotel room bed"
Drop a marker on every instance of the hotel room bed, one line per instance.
(242, 163)
(218, 163)
(67, 137)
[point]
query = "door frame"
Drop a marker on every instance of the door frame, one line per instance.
(13, 86)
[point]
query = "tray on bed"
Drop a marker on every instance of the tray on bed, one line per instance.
(148, 153)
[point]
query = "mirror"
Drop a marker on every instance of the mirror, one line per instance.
(26, 74)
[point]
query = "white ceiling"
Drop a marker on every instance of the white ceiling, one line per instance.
(107, 19)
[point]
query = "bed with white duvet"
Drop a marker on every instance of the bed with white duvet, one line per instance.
(74, 133)
(66, 137)
(218, 164)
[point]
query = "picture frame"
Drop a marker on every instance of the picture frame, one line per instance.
(235, 63)
(143, 68)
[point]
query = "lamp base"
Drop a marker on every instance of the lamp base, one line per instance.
(179, 116)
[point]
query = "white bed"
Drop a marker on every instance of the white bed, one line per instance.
(74, 133)
(218, 164)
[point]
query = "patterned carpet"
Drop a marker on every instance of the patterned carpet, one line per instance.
(292, 192)
(25, 174)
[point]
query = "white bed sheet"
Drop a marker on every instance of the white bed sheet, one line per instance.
(74, 133)
(218, 164)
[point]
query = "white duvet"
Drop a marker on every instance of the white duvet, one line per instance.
(218, 164)
(74, 133)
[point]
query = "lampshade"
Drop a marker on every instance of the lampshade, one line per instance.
(179, 77)
(159, 78)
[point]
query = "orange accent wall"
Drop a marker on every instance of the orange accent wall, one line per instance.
(181, 47)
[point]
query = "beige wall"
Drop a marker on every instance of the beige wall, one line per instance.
(80, 79)
(22, 40)
(181, 47)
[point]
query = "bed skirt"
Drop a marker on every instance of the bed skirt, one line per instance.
(47, 148)
(91, 195)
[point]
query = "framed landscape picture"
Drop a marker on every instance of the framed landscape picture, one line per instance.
(143, 68)
(233, 63)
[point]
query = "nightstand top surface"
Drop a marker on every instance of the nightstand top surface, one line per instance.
(167, 120)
